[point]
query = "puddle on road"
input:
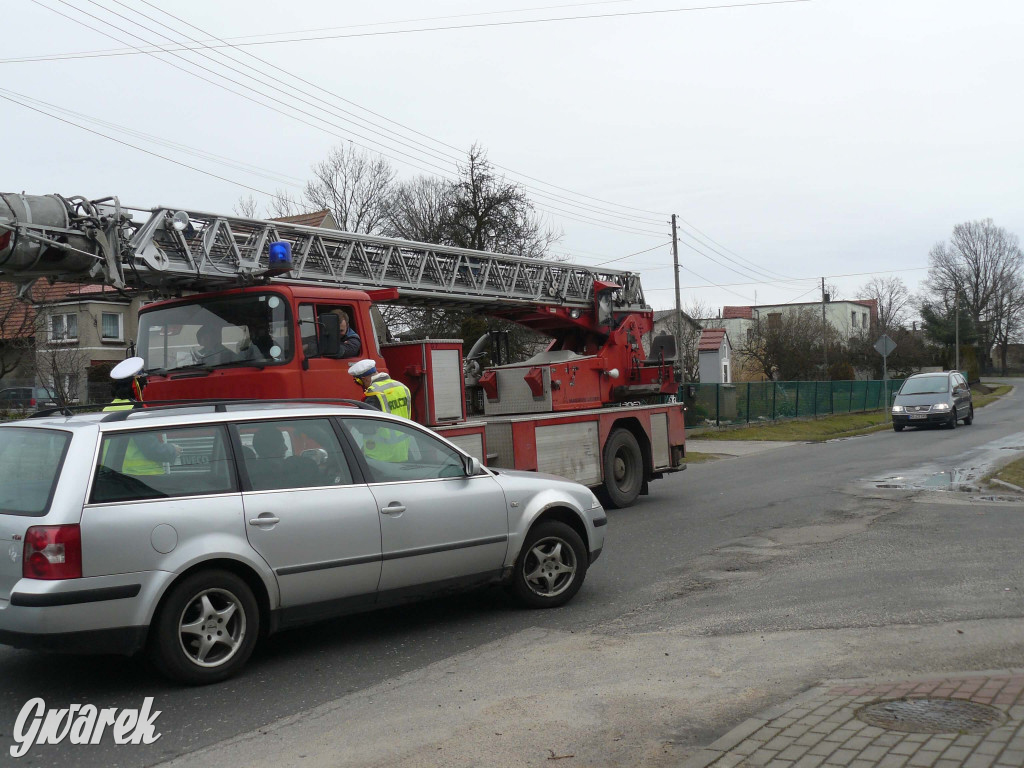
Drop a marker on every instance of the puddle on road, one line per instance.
(947, 480)
(964, 475)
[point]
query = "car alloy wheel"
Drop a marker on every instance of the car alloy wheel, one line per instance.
(551, 566)
(206, 628)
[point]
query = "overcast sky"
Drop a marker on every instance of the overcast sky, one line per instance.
(800, 139)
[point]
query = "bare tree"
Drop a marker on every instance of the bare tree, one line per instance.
(1008, 325)
(285, 204)
(420, 210)
(892, 298)
(247, 207)
(786, 346)
(977, 266)
(60, 365)
(490, 213)
(18, 325)
(355, 186)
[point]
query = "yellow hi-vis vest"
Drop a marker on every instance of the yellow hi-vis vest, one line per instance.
(388, 444)
(393, 396)
(135, 463)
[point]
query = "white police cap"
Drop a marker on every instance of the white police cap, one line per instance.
(362, 368)
(126, 369)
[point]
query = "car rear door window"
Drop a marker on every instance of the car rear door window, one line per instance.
(292, 453)
(156, 464)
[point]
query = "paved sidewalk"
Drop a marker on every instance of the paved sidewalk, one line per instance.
(824, 726)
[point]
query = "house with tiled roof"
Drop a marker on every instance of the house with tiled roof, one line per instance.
(324, 219)
(66, 338)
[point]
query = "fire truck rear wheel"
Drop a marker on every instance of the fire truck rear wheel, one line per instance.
(551, 566)
(623, 468)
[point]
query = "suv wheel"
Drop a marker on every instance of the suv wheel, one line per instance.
(206, 629)
(551, 566)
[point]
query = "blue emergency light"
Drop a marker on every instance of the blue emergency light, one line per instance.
(280, 257)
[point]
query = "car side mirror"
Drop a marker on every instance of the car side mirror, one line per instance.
(330, 334)
(472, 466)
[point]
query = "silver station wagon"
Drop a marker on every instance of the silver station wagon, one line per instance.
(191, 531)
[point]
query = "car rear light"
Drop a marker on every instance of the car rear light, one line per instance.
(53, 552)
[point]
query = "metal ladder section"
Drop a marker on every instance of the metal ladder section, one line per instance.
(213, 250)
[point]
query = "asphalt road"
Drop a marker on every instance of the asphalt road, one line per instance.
(798, 541)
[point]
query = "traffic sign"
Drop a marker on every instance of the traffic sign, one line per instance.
(884, 346)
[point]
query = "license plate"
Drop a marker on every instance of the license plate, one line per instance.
(918, 416)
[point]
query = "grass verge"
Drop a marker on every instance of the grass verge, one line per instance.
(828, 427)
(1012, 473)
(981, 400)
(824, 428)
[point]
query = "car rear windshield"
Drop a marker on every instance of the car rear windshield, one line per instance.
(931, 385)
(30, 462)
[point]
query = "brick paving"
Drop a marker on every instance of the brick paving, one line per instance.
(820, 728)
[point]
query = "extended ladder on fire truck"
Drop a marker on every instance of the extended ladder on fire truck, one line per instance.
(74, 239)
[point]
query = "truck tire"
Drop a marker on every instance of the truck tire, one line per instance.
(551, 566)
(623, 465)
(206, 628)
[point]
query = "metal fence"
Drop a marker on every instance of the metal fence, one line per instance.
(759, 401)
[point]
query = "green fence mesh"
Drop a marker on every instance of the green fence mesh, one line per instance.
(758, 401)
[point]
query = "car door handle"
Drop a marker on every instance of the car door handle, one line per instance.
(264, 519)
(394, 508)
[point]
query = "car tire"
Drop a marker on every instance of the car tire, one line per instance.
(215, 606)
(623, 465)
(551, 566)
(897, 427)
(952, 420)
(969, 418)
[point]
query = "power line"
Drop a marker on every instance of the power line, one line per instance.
(438, 170)
(469, 26)
(446, 28)
(140, 149)
(536, 192)
(237, 165)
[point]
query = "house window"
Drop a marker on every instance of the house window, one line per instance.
(750, 335)
(774, 320)
(853, 319)
(64, 327)
(864, 319)
(112, 329)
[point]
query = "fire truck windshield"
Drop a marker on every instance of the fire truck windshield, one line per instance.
(242, 330)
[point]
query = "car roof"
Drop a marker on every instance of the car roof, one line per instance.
(197, 413)
(931, 374)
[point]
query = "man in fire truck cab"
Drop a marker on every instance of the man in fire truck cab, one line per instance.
(211, 349)
(350, 343)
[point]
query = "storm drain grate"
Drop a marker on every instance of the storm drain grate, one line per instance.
(931, 716)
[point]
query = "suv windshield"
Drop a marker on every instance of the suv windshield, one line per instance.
(30, 461)
(926, 385)
(249, 329)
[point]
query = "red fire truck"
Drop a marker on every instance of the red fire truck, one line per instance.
(251, 314)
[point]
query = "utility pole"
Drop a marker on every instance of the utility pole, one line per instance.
(679, 308)
(956, 303)
(824, 328)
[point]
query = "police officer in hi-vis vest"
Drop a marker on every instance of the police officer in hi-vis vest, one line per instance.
(385, 394)
(145, 454)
